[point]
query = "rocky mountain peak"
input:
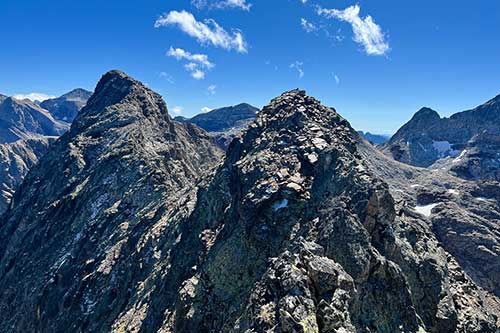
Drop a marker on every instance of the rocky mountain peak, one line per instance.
(77, 93)
(426, 113)
(122, 100)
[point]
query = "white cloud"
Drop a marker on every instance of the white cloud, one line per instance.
(206, 109)
(298, 66)
(197, 64)
(222, 4)
(307, 26)
(181, 54)
(177, 110)
(212, 89)
(366, 31)
(337, 79)
(34, 97)
(303, 1)
(207, 32)
(198, 74)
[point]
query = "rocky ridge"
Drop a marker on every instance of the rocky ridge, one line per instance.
(82, 229)
(123, 227)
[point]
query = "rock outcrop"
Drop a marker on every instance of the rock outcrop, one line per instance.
(66, 107)
(122, 226)
(427, 137)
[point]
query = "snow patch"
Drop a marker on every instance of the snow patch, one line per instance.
(280, 204)
(415, 185)
(459, 158)
(453, 191)
(444, 148)
(426, 209)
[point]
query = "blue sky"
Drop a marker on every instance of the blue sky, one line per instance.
(376, 72)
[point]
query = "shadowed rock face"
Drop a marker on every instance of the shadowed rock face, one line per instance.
(427, 137)
(122, 226)
(66, 107)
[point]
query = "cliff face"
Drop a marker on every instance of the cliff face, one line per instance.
(125, 225)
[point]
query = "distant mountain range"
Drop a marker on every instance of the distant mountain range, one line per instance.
(224, 123)
(376, 139)
(66, 107)
(427, 137)
(26, 131)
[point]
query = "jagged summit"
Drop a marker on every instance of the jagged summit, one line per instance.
(119, 99)
(67, 106)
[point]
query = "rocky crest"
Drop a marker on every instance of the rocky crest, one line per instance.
(122, 227)
(427, 137)
(66, 107)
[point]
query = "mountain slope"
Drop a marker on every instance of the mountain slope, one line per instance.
(66, 107)
(81, 229)
(123, 227)
(25, 119)
(427, 137)
(306, 239)
(224, 124)
(15, 161)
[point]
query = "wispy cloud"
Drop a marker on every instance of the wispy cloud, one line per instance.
(298, 66)
(337, 79)
(167, 77)
(222, 4)
(207, 32)
(307, 26)
(366, 31)
(177, 110)
(212, 89)
(34, 96)
(197, 64)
